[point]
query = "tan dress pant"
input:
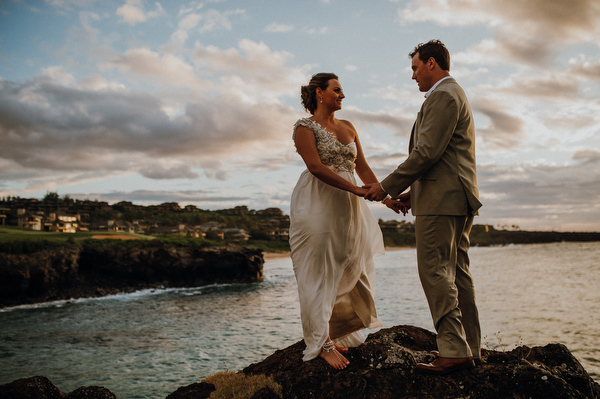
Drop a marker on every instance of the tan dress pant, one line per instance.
(443, 262)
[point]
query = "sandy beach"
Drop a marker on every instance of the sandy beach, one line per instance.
(276, 255)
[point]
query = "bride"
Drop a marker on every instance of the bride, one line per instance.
(333, 235)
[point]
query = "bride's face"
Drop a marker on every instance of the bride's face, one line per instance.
(333, 95)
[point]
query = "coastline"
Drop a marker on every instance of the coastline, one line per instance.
(286, 254)
(276, 255)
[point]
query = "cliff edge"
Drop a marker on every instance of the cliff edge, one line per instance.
(93, 270)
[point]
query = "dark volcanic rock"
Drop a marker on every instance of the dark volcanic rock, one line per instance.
(383, 367)
(31, 388)
(41, 388)
(196, 390)
(92, 270)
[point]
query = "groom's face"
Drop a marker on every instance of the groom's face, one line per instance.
(422, 73)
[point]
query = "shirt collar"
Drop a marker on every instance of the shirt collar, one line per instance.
(436, 85)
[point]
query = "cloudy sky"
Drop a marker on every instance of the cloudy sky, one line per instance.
(194, 101)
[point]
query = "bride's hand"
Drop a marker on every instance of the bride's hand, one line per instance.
(359, 191)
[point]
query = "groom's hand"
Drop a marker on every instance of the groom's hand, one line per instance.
(404, 203)
(375, 192)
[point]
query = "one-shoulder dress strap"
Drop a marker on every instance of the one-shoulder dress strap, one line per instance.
(307, 123)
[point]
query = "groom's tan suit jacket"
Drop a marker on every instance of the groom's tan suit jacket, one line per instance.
(440, 168)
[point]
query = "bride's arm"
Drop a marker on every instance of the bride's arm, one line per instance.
(363, 170)
(306, 145)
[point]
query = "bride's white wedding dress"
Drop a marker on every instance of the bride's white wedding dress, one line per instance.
(333, 239)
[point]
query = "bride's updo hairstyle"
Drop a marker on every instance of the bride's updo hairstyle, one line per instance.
(308, 93)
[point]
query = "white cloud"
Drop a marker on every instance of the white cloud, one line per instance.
(317, 31)
(194, 21)
(278, 28)
(170, 68)
(59, 75)
(252, 70)
(583, 67)
(503, 128)
(71, 132)
(528, 32)
(133, 12)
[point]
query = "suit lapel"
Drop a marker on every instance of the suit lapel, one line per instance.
(415, 131)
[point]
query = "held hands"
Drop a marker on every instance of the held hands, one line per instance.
(360, 191)
(399, 204)
(375, 192)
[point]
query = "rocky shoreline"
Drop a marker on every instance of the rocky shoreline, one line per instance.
(382, 368)
(93, 270)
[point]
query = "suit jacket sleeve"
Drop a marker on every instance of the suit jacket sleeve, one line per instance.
(435, 125)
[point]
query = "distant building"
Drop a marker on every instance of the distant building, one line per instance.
(29, 220)
(238, 210)
(3, 215)
(236, 234)
(62, 222)
(270, 211)
(278, 234)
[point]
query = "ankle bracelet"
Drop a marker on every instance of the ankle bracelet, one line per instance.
(328, 346)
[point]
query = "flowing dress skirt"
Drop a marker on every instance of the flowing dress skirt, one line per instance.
(333, 239)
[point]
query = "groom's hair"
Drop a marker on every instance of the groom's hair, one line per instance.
(435, 49)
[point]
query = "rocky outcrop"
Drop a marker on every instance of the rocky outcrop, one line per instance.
(384, 368)
(92, 270)
(40, 387)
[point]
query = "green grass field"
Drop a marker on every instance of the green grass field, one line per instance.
(11, 233)
(16, 240)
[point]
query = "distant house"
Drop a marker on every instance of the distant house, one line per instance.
(29, 221)
(91, 206)
(238, 210)
(283, 234)
(165, 207)
(122, 226)
(61, 222)
(236, 234)
(126, 206)
(278, 234)
(3, 214)
(211, 225)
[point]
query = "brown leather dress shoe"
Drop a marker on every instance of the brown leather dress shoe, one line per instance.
(445, 365)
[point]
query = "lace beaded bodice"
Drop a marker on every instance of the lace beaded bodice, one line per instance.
(332, 153)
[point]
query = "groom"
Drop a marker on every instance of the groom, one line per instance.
(440, 170)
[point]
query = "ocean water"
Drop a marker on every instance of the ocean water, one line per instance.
(148, 344)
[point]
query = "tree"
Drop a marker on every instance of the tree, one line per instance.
(51, 197)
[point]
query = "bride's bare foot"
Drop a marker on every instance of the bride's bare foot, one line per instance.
(340, 348)
(331, 355)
